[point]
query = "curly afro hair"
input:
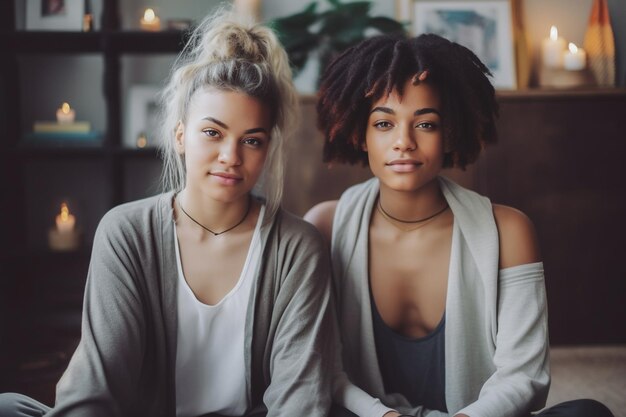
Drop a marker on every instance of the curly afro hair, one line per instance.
(374, 68)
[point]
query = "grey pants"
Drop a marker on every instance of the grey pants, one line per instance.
(18, 405)
(574, 408)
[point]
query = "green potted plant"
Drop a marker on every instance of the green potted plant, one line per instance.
(330, 32)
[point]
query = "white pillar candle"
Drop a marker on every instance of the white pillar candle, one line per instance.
(65, 235)
(66, 114)
(65, 221)
(150, 21)
(575, 59)
(552, 49)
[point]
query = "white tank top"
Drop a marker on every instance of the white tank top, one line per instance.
(210, 366)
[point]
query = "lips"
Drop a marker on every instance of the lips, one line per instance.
(226, 178)
(404, 165)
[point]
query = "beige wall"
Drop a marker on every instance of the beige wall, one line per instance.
(309, 180)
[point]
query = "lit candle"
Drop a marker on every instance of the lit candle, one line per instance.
(552, 49)
(150, 21)
(65, 114)
(142, 140)
(64, 236)
(65, 221)
(575, 59)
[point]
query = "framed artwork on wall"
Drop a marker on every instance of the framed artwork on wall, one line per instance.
(141, 117)
(55, 15)
(484, 26)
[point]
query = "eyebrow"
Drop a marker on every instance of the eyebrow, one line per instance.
(217, 122)
(417, 112)
(225, 126)
(255, 130)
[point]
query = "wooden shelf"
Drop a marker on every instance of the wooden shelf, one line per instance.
(138, 42)
(535, 94)
(120, 42)
(46, 256)
(539, 94)
(61, 150)
(80, 151)
(137, 152)
(27, 42)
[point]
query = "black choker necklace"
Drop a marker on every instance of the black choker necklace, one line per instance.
(209, 230)
(389, 216)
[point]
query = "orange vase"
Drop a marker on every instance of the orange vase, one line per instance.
(522, 51)
(600, 44)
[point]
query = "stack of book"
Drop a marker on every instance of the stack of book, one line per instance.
(75, 133)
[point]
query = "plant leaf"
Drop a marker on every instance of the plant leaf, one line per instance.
(386, 25)
(335, 3)
(357, 8)
(297, 21)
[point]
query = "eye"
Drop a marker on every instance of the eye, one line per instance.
(252, 141)
(383, 125)
(212, 133)
(426, 125)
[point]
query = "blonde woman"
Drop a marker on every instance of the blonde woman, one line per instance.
(207, 300)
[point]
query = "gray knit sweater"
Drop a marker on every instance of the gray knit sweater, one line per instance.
(125, 362)
(496, 351)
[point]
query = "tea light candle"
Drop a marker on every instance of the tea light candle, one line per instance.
(64, 236)
(150, 21)
(575, 59)
(142, 140)
(552, 49)
(64, 220)
(65, 114)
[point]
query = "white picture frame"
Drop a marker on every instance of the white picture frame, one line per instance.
(484, 26)
(142, 116)
(55, 15)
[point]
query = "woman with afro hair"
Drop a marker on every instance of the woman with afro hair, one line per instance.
(440, 295)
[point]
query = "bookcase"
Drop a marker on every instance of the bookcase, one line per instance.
(41, 290)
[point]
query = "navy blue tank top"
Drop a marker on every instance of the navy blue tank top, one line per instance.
(414, 368)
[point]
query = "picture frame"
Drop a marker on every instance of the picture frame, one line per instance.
(483, 26)
(55, 15)
(141, 117)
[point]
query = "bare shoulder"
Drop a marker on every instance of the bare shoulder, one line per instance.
(321, 216)
(518, 239)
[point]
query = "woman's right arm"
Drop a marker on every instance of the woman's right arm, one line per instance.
(102, 375)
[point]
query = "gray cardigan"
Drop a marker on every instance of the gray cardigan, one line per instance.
(496, 349)
(125, 362)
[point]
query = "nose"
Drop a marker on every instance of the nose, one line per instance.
(405, 142)
(229, 153)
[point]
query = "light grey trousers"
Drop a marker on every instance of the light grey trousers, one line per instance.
(18, 405)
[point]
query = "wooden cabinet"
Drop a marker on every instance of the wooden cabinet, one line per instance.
(41, 291)
(559, 160)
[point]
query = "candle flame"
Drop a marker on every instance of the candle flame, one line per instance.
(149, 15)
(65, 108)
(554, 33)
(65, 212)
(573, 48)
